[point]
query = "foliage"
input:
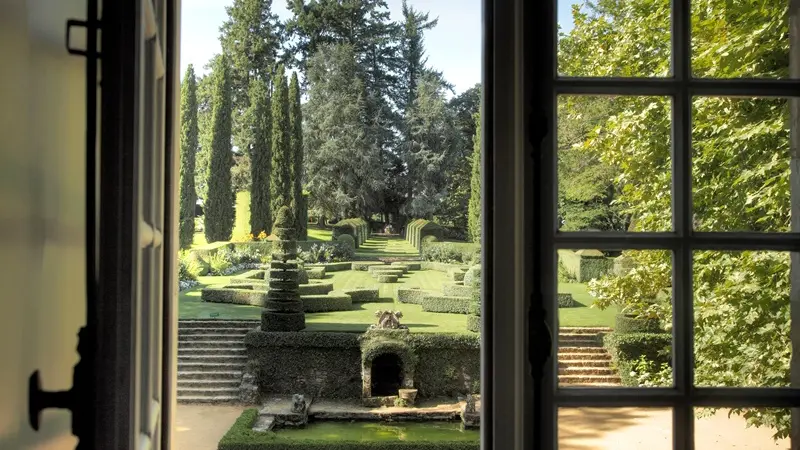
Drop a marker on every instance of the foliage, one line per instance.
(282, 158)
(343, 168)
(475, 204)
(649, 373)
(446, 304)
(188, 268)
(259, 119)
(326, 252)
(296, 145)
(189, 146)
(451, 252)
(219, 205)
(636, 293)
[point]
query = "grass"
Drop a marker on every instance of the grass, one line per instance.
(381, 246)
(584, 315)
(241, 227)
(191, 307)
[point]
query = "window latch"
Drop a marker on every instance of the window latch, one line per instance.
(91, 26)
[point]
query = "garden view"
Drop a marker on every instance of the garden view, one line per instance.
(330, 225)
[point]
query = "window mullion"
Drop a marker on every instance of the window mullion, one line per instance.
(682, 347)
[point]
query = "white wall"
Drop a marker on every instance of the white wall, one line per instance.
(42, 289)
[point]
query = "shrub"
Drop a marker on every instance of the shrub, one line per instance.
(315, 288)
(363, 295)
(412, 295)
(627, 324)
(189, 268)
(237, 295)
(357, 228)
(332, 267)
(627, 349)
(446, 304)
(417, 230)
(324, 303)
(315, 273)
(567, 301)
(410, 264)
(327, 252)
(451, 252)
(456, 274)
(439, 266)
(387, 278)
(219, 263)
(456, 290)
(347, 239)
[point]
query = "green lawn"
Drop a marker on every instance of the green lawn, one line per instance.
(355, 320)
(319, 234)
(381, 246)
(583, 316)
(241, 227)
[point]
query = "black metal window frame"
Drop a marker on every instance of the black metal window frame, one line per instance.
(545, 86)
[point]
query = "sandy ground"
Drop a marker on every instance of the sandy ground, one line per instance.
(200, 427)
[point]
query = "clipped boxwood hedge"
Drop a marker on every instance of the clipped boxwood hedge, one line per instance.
(315, 273)
(419, 229)
(456, 289)
(567, 301)
(363, 295)
(242, 437)
(332, 267)
(357, 228)
(456, 274)
(446, 304)
(412, 295)
(235, 296)
(474, 323)
(365, 265)
(410, 264)
(626, 349)
(440, 267)
(325, 303)
(627, 324)
(451, 252)
(315, 288)
(387, 278)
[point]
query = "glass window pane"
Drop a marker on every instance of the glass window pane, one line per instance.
(740, 428)
(614, 428)
(742, 325)
(614, 163)
(740, 39)
(614, 314)
(604, 38)
(740, 165)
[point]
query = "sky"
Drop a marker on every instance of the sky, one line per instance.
(454, 46)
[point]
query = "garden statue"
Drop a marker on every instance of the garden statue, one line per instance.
(298, 403)
(388, 320)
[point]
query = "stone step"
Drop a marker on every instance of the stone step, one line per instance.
(585, 330)
(215, 323)
(593, 385)
(216, 331)
(208, 392)
(203, 383)
(219, 399)
(565, 349)
(210, 343)
(208, 375)
(576, 356)
(191, 351)
(580, 343)
(578, 336)
(234, 359)
(587, 370)
(211, 337)
(588, 379)
(210, 366)
(584, 363)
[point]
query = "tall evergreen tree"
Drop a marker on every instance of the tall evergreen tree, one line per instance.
(189, 146)
(296, 144)
(343, 168)
(219, 205)
(475, 185)
(282, 158)
(259, 119)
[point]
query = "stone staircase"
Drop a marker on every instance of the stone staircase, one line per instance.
(582, 360)
(211, 359)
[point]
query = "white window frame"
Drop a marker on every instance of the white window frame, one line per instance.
(683, 397)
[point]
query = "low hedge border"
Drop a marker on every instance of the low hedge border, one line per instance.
(332, 267)
(247, 281)
(440, 267)
(325, 303)
(365, 265)
(456, 274)
(240, 436)
(567, 301)
(387, 278)
(235, 296)
(625, 324)
(450, 252)
(446, 304)
(412, 295)
(315, 288)
(315, 273)
(410, 264)
(363, 295)
(456, 290)
(474, 323)
(335, 339)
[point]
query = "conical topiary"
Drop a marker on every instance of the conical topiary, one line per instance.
(284, 309)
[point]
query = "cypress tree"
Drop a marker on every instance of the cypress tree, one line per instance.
(296, 144)
(189, 145)
(475, 185)
(220, 201)
(260, 121)
(282, 158)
